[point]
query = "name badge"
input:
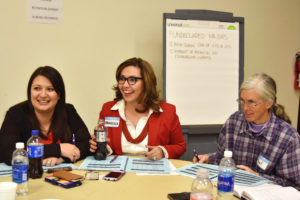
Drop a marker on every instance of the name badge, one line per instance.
(112, 121)
(262, 162)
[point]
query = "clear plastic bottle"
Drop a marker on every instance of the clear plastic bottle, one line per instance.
(202, 187)
(35, 148)
(226, 177)
(100, 132)
(20, 169)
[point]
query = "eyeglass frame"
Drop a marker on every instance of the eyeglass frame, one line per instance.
(133, 78)
(249, 104)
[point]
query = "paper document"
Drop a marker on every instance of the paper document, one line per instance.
(6, 170)
(45, 168)
(191, 170)
(90, 163)
(144, 165)
(241, 177)
(128, 164)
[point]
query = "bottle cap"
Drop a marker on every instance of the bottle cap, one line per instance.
(19, 145)
(34, 132)
(228, 153)
(100, 121)
(203, 173)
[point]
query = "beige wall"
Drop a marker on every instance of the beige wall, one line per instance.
(96, 35)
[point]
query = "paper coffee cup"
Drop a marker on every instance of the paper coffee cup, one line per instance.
(49, 199)
(8, 190)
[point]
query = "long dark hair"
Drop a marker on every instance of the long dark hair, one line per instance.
(59, 125)
(150, 95)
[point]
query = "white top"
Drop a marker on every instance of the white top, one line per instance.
(128, 147)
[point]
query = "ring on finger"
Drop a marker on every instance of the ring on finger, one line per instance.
(154, 158)
(49, 162)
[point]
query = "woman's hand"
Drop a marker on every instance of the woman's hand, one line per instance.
(70, 151)
(51, 161)
(154, 153)
(204, 158)
(248, 169)
(93, 144)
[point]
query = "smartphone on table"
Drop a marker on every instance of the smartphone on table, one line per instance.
(179, 196)
(114, 175)
(62, 182)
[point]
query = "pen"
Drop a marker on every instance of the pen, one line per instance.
(73, 139)
(112, 160)
(196, 155)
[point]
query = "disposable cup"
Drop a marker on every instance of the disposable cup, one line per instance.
(8, 190)
(50, 199)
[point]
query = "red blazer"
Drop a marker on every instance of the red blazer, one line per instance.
(164, 130)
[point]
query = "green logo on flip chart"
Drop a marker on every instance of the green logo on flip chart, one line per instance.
(231, 27)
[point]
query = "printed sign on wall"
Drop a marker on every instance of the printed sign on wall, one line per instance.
(45, 11)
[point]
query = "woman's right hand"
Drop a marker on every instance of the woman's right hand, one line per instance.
(69, 151)
(93, 144)
(204, 158)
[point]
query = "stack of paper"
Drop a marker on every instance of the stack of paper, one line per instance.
(241, 177)
(6, 170)
(128, 164)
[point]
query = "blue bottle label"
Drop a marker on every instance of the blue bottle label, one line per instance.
(20, 173)
(226, 182)
(35, 151)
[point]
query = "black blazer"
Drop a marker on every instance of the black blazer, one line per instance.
(16, 128)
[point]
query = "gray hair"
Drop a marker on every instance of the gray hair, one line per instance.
(265, 87)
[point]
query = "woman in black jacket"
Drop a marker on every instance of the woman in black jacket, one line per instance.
(64, 134)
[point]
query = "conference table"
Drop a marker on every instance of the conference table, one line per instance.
(131, 186)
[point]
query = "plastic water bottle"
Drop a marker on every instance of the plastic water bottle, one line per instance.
(35, 148)
(100, 132)
(201, 186)
(20, 169)
(226, 177)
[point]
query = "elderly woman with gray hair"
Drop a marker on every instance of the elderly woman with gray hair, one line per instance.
(260, 136)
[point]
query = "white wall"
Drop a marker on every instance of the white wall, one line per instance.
(95, 36)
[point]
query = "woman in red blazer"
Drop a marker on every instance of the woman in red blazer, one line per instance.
(138, 121)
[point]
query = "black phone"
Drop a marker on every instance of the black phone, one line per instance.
(179, 196)
(61, 182)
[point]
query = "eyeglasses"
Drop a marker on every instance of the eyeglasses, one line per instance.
(250, 104)
(130, 80)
